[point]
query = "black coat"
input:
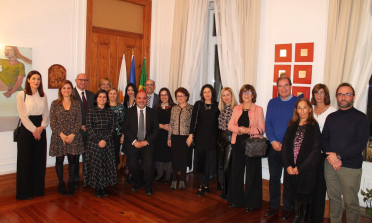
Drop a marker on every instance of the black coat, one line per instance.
(307, 159)
(90, 102)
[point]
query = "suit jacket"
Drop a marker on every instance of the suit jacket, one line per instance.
(307, 159)
(256, 121)
(130, 127)
(156, 100)
(90, 102)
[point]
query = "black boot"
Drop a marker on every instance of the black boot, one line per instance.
(129, 180)
(206, 188)
(62, 188)
(71, 188)
(97, 192)
(296, 211)
(304, 212)
(200, 190)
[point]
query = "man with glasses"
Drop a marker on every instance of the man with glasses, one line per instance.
(86, 99)
(344, 137)
(152, 98)
(279, 113)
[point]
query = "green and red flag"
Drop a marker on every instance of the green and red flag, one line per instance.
(143, 79)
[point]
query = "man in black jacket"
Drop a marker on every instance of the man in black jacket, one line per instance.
(344, 137)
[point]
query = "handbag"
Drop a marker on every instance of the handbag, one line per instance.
(16, 130)
(256, 146)
(196, 122)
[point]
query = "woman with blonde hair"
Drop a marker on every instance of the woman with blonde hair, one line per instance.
(226, 106)
(105, 84)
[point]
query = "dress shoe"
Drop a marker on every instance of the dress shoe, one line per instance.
(166, 181)
(248, 209)
(62, 189)
(182, 185)
(173, 185)
(76, 184)
(135, 188)
(206, 188)
(97, 192)
(285, 215)
(157, 179)
(270, 212)
(149, 192)
(200, 190)
(26, 198)
(71, 188)
(104, 192)
(129, 180)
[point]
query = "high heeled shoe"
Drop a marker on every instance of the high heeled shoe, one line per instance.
(182, 185)
(173, 185)
(200, 190)
(71, 188)
(206, 188)
(62, 188)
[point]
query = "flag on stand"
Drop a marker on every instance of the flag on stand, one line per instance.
(132, 75)
(122, 79)
(143, 79)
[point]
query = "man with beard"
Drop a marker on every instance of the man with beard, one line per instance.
(344, 137)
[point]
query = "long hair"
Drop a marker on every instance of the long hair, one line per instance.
(221, 104)
(28, 87)
(126, 96)
(170, 100)
(60, 96)
(214, 94)
(19, 55)
(296, 117)
(117, 94)
(107, 104)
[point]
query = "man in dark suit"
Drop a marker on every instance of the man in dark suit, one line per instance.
(140, 129)
(152, 98)
(86, 99)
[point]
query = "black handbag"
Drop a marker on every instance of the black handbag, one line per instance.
(256, 146)
(16, 130)
(196, 122)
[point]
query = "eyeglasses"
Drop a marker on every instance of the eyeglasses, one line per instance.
(180, 96)
(83, 80)
(149, 85)
(283, 86)
(104, 83)
(247, 92)
(164, 95)
(320, 93)
(347, 95)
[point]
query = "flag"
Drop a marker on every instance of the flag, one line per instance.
(122, 79)
(132, 75)
(143, 79)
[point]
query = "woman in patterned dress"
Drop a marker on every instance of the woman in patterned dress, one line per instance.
(65, 122)
(100, 167)
(300, 157)
(119, 112)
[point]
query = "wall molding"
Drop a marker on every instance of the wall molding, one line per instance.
(117, 32)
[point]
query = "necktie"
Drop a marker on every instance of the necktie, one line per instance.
(148, 100)
(141, 127)
(84, 101)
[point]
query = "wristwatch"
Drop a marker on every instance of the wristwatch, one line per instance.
(338, 156)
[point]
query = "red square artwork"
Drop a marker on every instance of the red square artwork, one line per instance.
(283, 52)
(297, 91)
(302, 74)
(275, 91)
(279, 69)
(304, 52)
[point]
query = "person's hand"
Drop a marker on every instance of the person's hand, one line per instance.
(332, 158)
(83, 128)
(7, 94)
(137, 144)
(144, 143)
(39, 130)
(295, 171)
(189, 140)
(277, 146)
(169, 143)
(63, 137)
(36, 135)
(102, 143)
(290, 170)
(167, 127)
(122, 139)
(337, 165)
(70, 138)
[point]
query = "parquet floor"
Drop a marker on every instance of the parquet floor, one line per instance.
(124, 205)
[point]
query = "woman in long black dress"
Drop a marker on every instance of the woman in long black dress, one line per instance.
(205, 119)
(247, 119)
(177, 137)
(163, 153)
(100, 167)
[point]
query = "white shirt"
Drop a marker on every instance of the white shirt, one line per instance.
(33, 105)
(81, 96)
(322, 117)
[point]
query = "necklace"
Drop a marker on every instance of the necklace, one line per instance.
(207, 106)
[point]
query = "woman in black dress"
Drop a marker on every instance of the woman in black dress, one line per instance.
(100, 167)
(247, 119)
(177, 137)
(300, 156)
(163, 153)
(205, 120)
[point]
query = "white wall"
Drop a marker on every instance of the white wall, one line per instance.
(55, 30)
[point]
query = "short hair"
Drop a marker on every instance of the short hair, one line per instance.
(117, 94)
(345, 84)
(28, 87)
(316, 89)
(214, 94)
(247, 87)
(283, 77)
(170, 100)
(96, 96)
(183, 91)
(221, 104)
(60, 96)
(105, 79)
(150, 80)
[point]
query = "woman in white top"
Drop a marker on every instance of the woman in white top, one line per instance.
(322, 108)
(32, 105)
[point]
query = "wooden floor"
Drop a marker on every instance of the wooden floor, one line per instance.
(124, 205)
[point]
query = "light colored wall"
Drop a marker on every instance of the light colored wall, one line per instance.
(56, 32)
(118, 15)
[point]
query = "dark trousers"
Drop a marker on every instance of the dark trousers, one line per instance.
(117, 148)
(275, 170)
(77, 157)
(31, 162)
(223, 160)
(133, 155)
(251, 195)
(319, 193)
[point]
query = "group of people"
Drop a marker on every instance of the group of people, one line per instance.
(155, 132)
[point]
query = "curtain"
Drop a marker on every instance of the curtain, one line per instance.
(348, 46)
